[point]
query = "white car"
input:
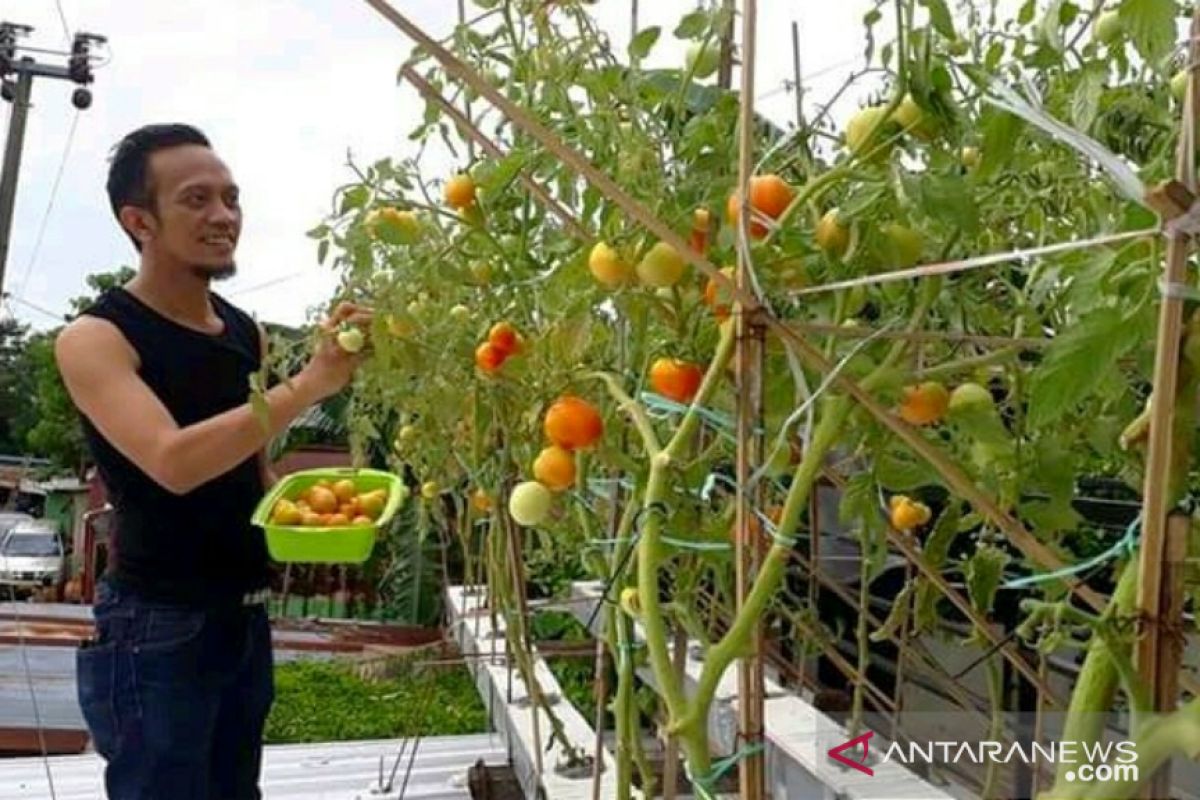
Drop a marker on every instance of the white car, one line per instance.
(31, 554)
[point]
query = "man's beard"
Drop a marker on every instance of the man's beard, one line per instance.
(223, 272)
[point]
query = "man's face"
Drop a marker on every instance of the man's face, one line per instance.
(197, 217)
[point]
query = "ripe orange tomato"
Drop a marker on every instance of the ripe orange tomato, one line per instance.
(907, 514)
(488, 357)
(460, 191)
(925, 404)
(338, 520)
(573, 423)
(678, 380)
(344, 489)
(770, 195)
(481, 500)
(504, 337)
(555, 468)
(713, 293)
(322, 500)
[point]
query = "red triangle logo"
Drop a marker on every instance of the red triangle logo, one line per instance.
(836, 753)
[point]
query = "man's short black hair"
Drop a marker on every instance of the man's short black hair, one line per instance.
(129, 173)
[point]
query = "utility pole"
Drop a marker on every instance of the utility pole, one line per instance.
(16, 87)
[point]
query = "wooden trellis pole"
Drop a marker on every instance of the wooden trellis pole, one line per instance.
(1157, 654)
(750, 346)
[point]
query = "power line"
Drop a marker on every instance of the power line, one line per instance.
(63, 18)
(266, 284)
(33, 306)
(37, 245)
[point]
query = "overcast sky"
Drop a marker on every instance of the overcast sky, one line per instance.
(284, 88)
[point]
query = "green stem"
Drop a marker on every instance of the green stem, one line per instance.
(864, 645)
(634, 409)
(619, 624)
(995, 680)
(716, 371)
(774, 567)
(1178, 732)
(952, 368)
(1096, 687)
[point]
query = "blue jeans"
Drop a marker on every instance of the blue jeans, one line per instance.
(176, 698)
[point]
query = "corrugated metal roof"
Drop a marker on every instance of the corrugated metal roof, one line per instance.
(52, 670)
(330, 771)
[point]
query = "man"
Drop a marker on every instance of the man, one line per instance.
(178, 682)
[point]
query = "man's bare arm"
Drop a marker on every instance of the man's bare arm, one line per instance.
(99, 368)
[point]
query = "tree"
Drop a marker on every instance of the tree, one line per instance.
(45, 422)
(13, 340)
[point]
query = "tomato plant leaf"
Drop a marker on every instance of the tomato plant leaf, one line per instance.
(1086, 100)
(692, 26)
(355, 197)
(1049, 31)
(1025, 15)
(859, 499)
(949, 199)
(936, 551)
(897, 617)
(322, 250)
(985, 570)
(1151, 26)
(901, 474)
(939, 15)
(1077, 361)
(641, 45)
(1001, 130)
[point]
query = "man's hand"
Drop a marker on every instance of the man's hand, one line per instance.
(331, 367)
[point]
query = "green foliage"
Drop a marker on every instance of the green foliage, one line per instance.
(410, 586)
(14, 391)
(53, 430)
(321, 702)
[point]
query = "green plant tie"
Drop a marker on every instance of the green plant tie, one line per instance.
(1124, 546)
(661, 407)
(706, 784)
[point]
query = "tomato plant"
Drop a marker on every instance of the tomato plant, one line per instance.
(1037, 367)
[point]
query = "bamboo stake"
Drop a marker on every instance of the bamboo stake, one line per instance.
(601, 701)
(750, 344)
(799, 86)
(1154, 651)
(928, 662)
(462, 18)
(1172, 597)
(725, 63)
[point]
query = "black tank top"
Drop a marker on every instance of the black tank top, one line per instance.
(199, 548)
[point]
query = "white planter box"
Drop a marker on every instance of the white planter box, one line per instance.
(474, 634)
(798, 737)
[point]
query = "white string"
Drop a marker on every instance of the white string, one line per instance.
(37, 713)
(780, 440)
(964, 265)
